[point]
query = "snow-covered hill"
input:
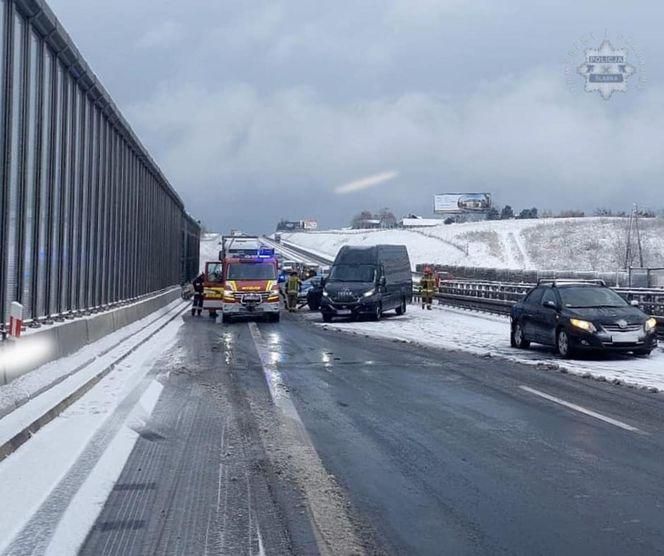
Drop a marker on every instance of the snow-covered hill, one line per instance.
(545, 244)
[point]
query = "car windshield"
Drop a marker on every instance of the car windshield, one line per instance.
(585, 297)
(251, 271)
(353, 273)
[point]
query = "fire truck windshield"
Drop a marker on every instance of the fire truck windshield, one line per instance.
(213, 272)
(251, 271)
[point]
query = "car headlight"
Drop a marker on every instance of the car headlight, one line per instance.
(583, 325)
(650, 324)
(369, 293)
(325, 294)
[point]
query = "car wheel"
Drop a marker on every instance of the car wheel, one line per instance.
(517, 339)
(642, 352)
(327, 317)
(313, 306)
(275, 317)
(378, 313)
(226, 319)
(562, 343)
(401, 309)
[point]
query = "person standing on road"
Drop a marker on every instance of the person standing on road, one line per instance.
(292, 291)
(199, 288)
(427, 288)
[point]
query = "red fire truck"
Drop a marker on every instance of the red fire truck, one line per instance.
(250, 284)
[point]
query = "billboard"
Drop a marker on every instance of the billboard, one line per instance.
(459, 203)
(288, 226)
(293, 226)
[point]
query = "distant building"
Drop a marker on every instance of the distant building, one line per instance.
(368, 224)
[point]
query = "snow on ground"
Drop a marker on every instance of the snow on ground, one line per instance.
(481, 334)
(544, 244)
(30, 384)
(31, 473)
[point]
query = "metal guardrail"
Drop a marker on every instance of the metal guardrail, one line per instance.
(631, 278)
(498, 297)
(650, 300)
(87, 219)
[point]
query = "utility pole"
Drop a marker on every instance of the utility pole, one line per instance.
(638, 236)
(633, 228)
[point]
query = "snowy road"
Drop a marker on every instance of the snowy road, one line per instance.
(297, 439)
(488, 335)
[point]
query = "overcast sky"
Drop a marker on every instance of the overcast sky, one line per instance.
(261, 110)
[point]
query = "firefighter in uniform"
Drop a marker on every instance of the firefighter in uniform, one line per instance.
(427, 288)
(199, 288)
(292, 290)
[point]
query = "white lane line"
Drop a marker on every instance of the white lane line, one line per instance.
(85, 507)
(275, 383)
(581, 409)
(333, 531)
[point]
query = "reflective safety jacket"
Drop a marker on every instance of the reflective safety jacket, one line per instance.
(293, 284)
(427, 284)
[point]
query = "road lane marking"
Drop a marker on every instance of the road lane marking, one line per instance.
(275, 383)
(581, 409)
(331, 524)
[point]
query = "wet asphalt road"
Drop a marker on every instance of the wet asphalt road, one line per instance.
(434, 453)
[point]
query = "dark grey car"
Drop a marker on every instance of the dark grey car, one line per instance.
(577, 316)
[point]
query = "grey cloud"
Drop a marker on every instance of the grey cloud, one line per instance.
(286, 99)
(529, 138)
(165, 34)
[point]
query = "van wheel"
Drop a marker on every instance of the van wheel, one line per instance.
(401, 309)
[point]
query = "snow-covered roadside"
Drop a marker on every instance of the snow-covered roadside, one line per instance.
(488, 335)
(30, 384)
(35, 471)
(546, 244)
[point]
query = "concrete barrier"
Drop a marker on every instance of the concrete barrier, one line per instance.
(104, 324)
(52, 342)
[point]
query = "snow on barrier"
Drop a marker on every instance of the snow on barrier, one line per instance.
(19, 356)
(633, 278)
